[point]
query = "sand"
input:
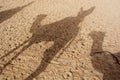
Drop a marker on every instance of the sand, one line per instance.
(54, 39)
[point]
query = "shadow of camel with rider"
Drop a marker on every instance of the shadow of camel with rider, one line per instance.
(60, 32)
(104, 62)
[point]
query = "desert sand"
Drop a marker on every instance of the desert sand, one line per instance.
(59, 39)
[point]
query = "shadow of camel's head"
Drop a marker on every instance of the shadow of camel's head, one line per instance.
(38, 19)
(97, 35)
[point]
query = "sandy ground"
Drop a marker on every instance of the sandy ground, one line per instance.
(56, 39)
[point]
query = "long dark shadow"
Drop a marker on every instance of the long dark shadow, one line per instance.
(4, 15)
(61, 32)
(7, 54)
(11, 51)
(104, 61)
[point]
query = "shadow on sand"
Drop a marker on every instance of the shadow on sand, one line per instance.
(104, 62)
(61, 33)
(4, 15)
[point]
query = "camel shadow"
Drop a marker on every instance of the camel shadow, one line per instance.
(60, 32)
(104, 62)
(4, 15)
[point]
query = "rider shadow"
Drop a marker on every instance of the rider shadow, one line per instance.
(60, 32)
(104, 61)
(4, 15)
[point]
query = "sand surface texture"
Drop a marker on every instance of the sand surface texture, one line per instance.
(59, 39)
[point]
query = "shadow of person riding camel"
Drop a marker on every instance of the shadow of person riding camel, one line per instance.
(103, 61)
(60, 32)
(4, 15)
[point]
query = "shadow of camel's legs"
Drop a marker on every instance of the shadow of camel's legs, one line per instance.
(13, 49)
(14, 57)
(47, 57)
